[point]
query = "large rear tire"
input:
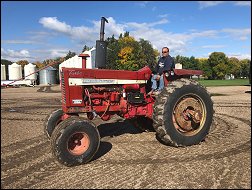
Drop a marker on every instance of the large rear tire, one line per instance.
(183, 113)
(75, 141)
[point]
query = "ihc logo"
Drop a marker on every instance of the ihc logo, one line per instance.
(75, 73)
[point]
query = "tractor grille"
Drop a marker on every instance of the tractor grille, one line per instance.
(63, 89)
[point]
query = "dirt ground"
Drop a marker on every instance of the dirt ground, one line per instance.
(127, 157)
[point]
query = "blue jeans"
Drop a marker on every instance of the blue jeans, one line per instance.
(154, 82)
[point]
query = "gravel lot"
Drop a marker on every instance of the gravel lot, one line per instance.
(127, 157)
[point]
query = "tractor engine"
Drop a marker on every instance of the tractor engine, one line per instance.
(123, 100)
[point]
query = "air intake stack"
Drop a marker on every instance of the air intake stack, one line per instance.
(101, 47)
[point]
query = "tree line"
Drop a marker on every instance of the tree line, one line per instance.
(217, 65)
(125, 53)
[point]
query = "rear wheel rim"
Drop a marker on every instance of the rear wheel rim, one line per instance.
(189, 115)
(78, 143)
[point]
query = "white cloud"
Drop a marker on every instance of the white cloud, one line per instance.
(110, 28)
(205, 4)
(40, 36)
(214, 46)
(38, 55)
(163, 16)
(141, 26)
(90, 34)
(154, 8)
(178, 42)
(243, 3)
(142, 4)
(14, 55)
(207, 33)
(240, 34)
(42, 54)
(58, 53)
(54, 24)
(82, 33)
(17, 42)
(239, 56)
(160, 38)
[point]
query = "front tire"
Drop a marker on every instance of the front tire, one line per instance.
(51, 121)
(75, 141)
(183, 113)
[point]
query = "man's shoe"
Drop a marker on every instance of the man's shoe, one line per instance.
(156, 92)
(151, 92)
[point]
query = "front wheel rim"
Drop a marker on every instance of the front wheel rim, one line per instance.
(78, 143)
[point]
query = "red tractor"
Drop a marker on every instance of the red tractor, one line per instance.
(182, 113)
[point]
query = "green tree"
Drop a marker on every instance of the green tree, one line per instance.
(148, 55)
(193, 63)
(120, 36)
(125, 53)
(126, 61)
(6, 62)
(22, 63)
(112, 52)
(57, 61)
(128, 54)
(185, 61)
(221, 70)
(234, 66)
(69, 55)
(205, 67)
(39, 65)
(85, 48)
(134, 55)
(219, 64)
(126, 34)
(245, 67)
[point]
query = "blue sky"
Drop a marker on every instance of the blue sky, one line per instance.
(39, 30)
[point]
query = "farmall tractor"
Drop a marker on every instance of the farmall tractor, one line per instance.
(181, 114)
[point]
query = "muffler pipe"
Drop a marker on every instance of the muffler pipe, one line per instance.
(101, 47)
(103, 20)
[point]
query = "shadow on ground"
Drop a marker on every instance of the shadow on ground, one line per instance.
(47, 89)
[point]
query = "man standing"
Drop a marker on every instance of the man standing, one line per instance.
(165, 63)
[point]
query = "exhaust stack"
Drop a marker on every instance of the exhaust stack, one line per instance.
(101, 47)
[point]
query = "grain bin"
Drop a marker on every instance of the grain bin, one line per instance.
(28, 70)
(3, 72)
(47, 76)
(15, 71)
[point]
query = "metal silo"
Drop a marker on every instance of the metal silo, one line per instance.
(3, 72)
(15, 71)
(47, 76)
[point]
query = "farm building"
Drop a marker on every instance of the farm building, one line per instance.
(76, 61)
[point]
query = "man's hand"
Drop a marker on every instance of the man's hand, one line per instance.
(158, 77)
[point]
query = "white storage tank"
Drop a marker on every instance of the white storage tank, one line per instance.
(15, 71)
(29, 69)
(3, 72)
